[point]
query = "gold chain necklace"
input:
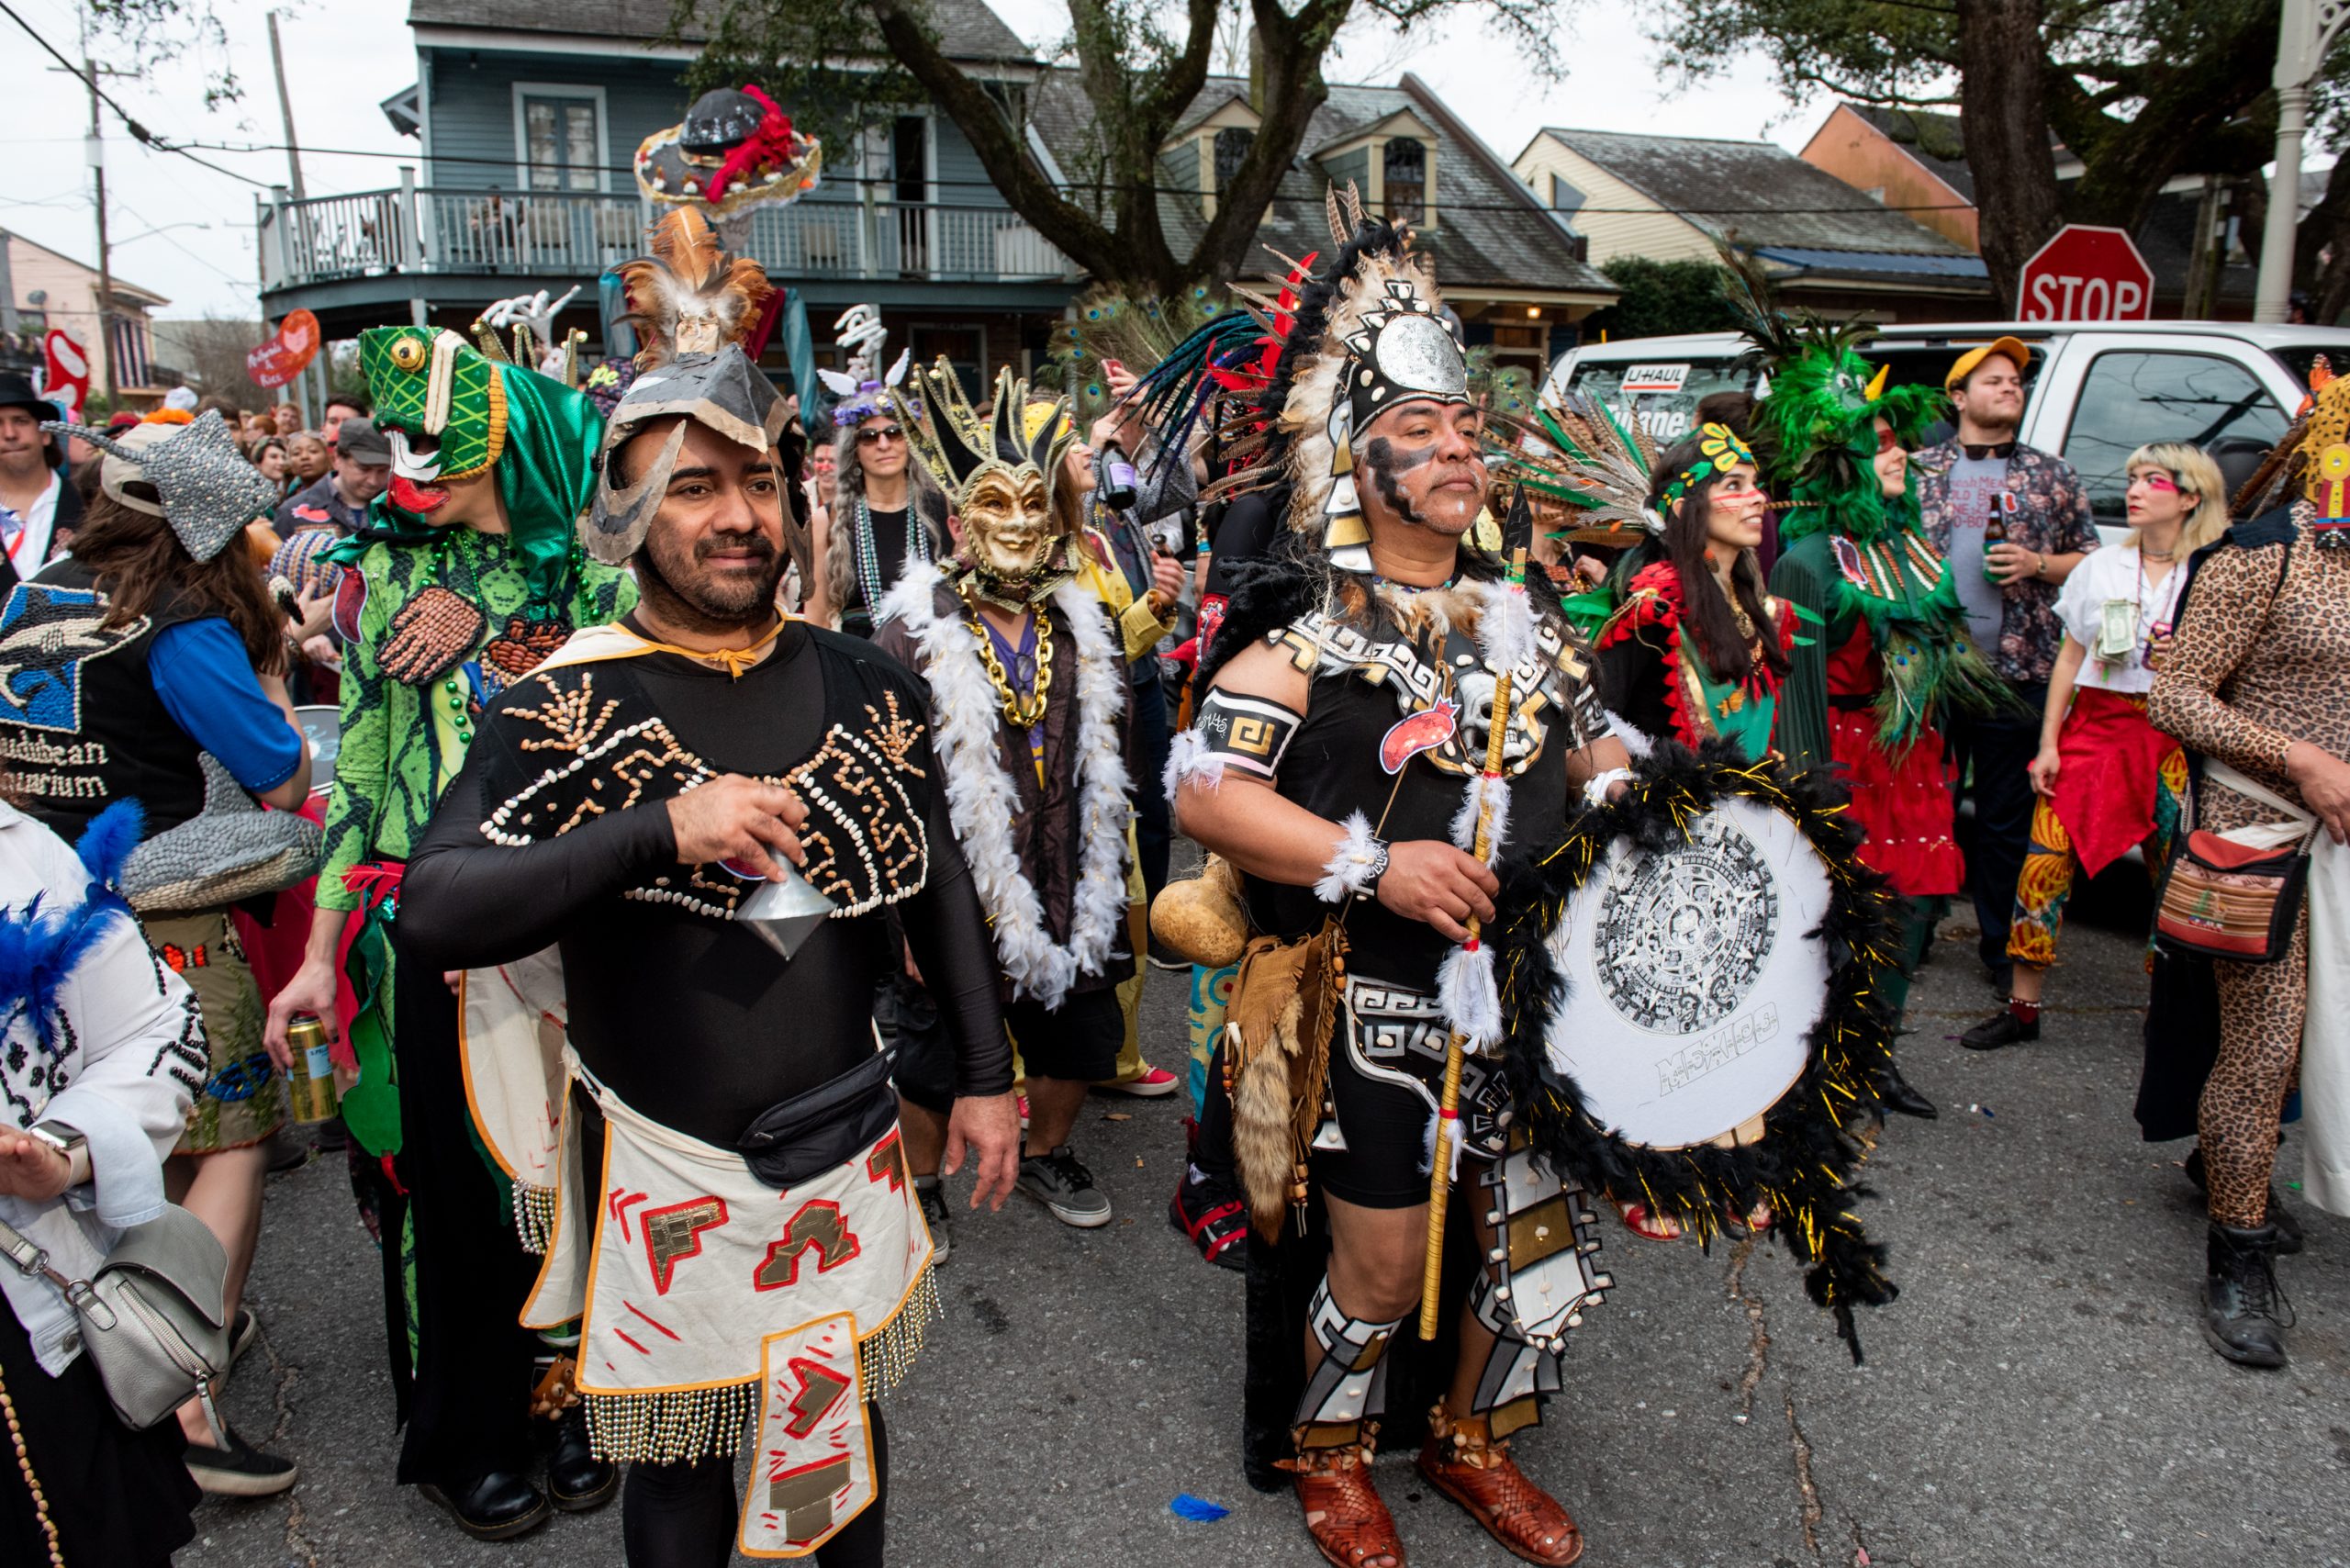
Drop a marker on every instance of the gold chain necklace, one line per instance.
(1019, 712)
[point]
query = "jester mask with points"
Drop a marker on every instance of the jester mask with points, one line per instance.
(998, 469)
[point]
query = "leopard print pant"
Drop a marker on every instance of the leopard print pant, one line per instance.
(2262, 1007)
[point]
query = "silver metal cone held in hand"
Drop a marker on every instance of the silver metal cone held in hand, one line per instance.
(783, 910)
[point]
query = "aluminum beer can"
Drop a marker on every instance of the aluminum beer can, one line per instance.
(311, 1078)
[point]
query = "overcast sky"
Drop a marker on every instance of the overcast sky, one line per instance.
(344, 56)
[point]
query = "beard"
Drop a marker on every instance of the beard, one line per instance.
(695, 595)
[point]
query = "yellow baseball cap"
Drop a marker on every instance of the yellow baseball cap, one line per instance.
(1963, 366)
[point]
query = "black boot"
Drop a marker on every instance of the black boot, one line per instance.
(2288, 1225)
(1895, 1092)
(2244, 1311)
(496, 1506)
(577, 1482)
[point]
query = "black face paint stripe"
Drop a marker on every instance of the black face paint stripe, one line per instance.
(1387, 465)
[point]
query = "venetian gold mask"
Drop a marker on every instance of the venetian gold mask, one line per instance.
(1007, 518)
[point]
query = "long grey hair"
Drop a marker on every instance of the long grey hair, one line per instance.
(928, 500)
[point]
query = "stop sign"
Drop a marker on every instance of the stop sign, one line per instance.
(2087, 274)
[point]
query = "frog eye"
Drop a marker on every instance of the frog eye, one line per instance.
(409, 354)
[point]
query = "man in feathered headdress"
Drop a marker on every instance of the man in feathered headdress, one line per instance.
(465, 576)
(1346, 760)
(715, 813)
(1027, 688)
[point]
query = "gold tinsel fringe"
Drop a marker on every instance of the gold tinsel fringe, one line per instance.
(534, 1217)
(676, 1426)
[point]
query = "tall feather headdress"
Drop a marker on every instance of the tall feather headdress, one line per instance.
(690, 295)
(1574, 449)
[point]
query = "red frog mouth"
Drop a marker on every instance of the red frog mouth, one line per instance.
(421, 499)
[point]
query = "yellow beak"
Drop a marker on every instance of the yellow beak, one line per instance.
(1876, 381)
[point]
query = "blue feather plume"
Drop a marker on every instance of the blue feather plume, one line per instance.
(1199, 1508)
(40, 950)
(106, 845)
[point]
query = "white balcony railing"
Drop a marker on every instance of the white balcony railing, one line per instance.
(413, 230)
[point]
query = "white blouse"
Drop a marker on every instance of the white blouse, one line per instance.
(2117, 575)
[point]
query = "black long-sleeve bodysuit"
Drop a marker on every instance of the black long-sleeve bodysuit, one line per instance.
(692, 1020)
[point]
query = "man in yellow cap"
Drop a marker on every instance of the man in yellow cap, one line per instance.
(2012, 521)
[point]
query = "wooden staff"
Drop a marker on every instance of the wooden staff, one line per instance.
(1447, 1116)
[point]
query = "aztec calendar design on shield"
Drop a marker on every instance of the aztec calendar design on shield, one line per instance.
(1683, 933)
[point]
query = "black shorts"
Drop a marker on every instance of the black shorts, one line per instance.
(1079, 1040)
(1384, 1122)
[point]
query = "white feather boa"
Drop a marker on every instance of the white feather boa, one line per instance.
(984, 803)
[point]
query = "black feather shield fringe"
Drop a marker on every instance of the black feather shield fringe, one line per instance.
(1817, 1134)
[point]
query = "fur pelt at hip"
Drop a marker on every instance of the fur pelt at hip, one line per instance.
(1277, 1045)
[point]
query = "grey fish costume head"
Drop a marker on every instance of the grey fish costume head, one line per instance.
(191, 475)
(693, 303)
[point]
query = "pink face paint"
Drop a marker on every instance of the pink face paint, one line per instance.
(2155, 479)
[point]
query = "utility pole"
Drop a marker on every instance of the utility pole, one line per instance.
(2305, 32)
(97, 156)
(286, 106)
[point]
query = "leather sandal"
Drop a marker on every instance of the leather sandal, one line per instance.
(1476, 1472)
(1343, 1514)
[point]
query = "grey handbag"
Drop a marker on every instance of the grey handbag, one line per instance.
(154, 1315)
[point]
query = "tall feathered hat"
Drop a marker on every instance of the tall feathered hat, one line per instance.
(957, 444)
(1366, 334)
(1572, 448)
(693, 303)
(191, 475)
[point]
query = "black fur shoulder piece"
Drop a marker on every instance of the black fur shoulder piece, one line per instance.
(1819, 1131)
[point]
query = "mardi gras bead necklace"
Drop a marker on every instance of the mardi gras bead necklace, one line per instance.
(868, 556)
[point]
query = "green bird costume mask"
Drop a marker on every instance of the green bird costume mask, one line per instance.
(450, 412)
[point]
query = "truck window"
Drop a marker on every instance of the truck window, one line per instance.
(2132, 398)
(1666, 415)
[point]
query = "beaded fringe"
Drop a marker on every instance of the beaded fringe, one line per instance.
(534, 1217)
(676, 1426)
(888, 1356)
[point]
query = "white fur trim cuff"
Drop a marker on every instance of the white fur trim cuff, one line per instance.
(1353, 868)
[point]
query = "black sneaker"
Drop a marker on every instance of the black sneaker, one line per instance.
(240, 1470)
(934, 1214)
(2002, 1028)
(1060, 1181)
(243, 1330)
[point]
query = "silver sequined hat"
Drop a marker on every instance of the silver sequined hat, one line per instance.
(191, 475)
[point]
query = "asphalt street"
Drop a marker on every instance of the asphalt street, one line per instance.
(2040, 1394)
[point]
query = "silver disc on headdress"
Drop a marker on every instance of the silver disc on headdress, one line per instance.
(1694, 975)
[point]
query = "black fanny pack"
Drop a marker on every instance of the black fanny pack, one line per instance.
(824, 1128)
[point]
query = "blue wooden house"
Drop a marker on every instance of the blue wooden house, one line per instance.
(528, 112)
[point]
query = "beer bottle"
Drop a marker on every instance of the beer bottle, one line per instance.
(1994, 533)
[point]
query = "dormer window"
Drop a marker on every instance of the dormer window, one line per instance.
(1403, 179)
(1232, 144)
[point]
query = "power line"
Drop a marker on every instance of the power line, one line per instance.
(139, 132)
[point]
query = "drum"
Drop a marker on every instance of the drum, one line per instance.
(1692, 995)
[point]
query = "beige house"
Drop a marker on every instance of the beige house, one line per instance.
(1829, 247)
(50, 289)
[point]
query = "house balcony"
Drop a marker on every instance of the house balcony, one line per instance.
(376, 253)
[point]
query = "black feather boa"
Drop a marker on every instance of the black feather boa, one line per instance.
(1817, 1135)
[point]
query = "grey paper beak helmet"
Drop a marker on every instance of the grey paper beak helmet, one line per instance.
(723, 392)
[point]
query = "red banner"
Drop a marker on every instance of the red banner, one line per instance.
(282, 358)
(67, 381)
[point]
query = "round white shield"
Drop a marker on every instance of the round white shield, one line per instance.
(1693, 977)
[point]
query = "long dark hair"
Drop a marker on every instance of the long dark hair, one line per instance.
(140, 562)
(1728, 657)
